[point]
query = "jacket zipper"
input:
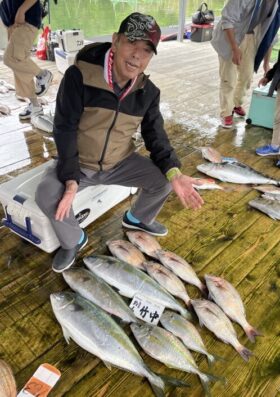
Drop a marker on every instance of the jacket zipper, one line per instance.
(100, 162)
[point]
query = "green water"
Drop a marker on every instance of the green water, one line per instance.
(102, 17)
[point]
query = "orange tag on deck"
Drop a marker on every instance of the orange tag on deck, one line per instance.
(41, 382)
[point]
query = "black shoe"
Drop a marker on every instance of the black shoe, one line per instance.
(155, 228)
(63, 259)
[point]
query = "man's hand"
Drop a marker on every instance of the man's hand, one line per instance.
(183, 187)
(236, 55)
(65, 204)
(263, 81)
(20, 17)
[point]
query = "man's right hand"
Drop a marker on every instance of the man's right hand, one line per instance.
(263, 81)
(236, 55)
(65, 204)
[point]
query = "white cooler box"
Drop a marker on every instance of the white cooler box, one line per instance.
(63, 59)
(70, 40)
(24, 217)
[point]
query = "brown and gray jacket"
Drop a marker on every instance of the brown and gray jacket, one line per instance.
(93, 127)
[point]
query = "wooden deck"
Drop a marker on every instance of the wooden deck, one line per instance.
(224, 238)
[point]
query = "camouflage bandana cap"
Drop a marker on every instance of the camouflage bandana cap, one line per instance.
(141, 27)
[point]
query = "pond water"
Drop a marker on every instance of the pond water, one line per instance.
(102, 17)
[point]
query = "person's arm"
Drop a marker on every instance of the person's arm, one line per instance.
(69, 108)
(266, 60)
(20, 15)
(164, 156)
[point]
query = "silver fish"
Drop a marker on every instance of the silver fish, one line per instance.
(186, 331)
(127, 252)
(206, 184)
(226, 296)
(43, 122)
(131, 281)
(166, 348)
(145, 242)
(216, 321)
(211, 154)
(93, 288)
(180, 267)
(267, 206)
(272, 190)
(96, 332)
(168, 280)
(7, 85)
(235, 173)
(4, 109)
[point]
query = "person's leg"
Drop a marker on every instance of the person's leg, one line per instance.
(17, 57)
(228, 74)
(245, 70)
(139, 171)
(48, 195)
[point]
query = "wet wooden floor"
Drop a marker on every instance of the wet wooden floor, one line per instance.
(224, 238)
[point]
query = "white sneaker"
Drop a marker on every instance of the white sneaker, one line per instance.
(30, 111)
(43, 82)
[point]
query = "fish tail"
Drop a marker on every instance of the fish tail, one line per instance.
(157, 383)
(207, 378)
(169, 380)
(187, 314)
(252, 332)
(213, 357)
(204, 291)
(244, 352)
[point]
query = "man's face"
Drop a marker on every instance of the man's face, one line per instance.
(130, 57)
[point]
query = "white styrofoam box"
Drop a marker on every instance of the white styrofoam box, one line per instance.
(63, 59)
(24, 217)
(70, 40)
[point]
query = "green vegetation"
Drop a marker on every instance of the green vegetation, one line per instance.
(102, 17)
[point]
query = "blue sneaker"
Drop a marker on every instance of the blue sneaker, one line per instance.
(155, 228)
(268, 150)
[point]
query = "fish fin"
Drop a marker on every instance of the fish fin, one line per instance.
(124, 294)
(187, 313)
(108, 365)
(244, 352)
(157, 390)
(66, 334)
(211, 358)
(252, 332)
(169, 380)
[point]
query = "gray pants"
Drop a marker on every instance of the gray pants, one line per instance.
(134, 171)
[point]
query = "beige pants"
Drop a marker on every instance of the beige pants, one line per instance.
(17, 57)
(236, 80)
(276, 125)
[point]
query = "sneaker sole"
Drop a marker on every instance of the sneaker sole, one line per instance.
(65, 268)
(85, 243)
(268, 154)
(143, 230)
(25, 117)
(48, 86)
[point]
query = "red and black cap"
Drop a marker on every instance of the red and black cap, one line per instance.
(141, 27)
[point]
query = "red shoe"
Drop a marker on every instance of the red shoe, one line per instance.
(227, 122)
(239, 110)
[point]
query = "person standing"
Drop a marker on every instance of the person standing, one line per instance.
(22, 19)
(102, 100)
(244, 26)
